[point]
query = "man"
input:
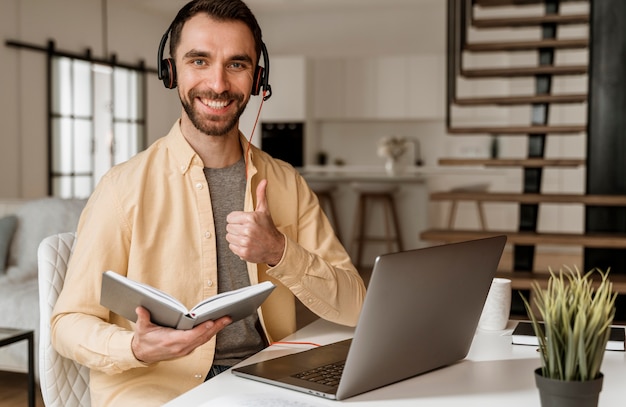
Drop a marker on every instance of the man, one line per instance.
(197, 213)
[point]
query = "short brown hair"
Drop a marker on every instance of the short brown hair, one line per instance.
(220, 10)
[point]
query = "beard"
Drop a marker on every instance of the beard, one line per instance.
(213, 125)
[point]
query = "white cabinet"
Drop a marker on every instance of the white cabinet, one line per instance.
(391, 89)
(381, 88)
(329, 88)
(427, 86)
(288, 79)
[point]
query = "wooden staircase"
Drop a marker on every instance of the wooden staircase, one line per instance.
(468, 19)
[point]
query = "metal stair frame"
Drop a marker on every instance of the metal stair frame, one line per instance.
(460, 18)
(523, 255)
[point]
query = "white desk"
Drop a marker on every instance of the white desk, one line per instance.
(495, 373)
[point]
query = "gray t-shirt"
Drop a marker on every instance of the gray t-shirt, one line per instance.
(241, 339)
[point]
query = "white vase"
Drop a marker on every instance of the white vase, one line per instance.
(391, 166)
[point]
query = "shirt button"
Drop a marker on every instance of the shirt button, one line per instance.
(310, 300)
(198, 376)
(182, 168)
(199, 185)
(207, 234)
(209, 283)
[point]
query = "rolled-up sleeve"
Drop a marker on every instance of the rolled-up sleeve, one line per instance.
(315, 265)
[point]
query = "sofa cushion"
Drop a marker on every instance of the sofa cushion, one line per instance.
(36, 220)
(7, 229)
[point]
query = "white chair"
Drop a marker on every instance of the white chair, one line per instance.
(63, 382)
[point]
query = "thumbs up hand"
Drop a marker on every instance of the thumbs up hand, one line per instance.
(252, 235)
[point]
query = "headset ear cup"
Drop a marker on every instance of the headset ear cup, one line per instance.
(258, 80)
(168, 73)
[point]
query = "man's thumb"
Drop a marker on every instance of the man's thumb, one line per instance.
(261, 199)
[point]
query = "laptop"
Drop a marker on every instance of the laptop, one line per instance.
(420, 313)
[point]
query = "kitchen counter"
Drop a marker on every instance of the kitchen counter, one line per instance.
(376, 173)
(353, 173)
(374, 177)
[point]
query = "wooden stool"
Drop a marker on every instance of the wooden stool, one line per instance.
(479, 205)
(324, 192)
(370, 193)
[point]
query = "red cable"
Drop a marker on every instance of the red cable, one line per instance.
(253, 129)
(296, 343)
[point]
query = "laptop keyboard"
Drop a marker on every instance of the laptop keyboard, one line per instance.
(328, 375)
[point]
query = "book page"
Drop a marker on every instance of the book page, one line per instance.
(229, 297)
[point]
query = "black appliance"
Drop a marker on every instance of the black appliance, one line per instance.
(284, 141)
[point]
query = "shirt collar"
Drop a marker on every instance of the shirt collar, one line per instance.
(186, 156)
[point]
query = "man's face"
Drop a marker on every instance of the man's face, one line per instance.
(215, 63)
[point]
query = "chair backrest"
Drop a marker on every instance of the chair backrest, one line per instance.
(63, 382)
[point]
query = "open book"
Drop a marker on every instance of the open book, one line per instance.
(524, 334)
(123, 295)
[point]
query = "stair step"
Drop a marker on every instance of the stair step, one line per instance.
(530, 21)
(521, 100)
(497, 3)
(592, 200)
(523, 280)
(514, 162)
(596, 240)
(530, 45)
(524, 71)
(555, 129)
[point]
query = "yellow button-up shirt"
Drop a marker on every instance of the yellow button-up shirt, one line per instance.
(150, 219)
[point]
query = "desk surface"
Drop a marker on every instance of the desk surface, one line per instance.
(495, 373)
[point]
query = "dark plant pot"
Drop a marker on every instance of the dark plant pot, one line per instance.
(561, 393)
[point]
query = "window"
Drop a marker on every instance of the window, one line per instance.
(97, 120)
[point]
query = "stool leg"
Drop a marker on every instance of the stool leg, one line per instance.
(359, 230)
(396, 223)
(362, 231)
(388, 213)
(333, 213)
(326, 203)
(481, 215)
(452, 215)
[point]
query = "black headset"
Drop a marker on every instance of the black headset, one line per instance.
(167, 69)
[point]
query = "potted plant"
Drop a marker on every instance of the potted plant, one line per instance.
(572, 324)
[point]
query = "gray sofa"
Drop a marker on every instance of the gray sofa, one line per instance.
(23, 225)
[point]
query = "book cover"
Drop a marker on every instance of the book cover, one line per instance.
(524, 334)
(123, 295)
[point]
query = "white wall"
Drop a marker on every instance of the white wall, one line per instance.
(75, 25)
(9, 102)
(369, 31)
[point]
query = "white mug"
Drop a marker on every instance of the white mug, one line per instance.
(495, 315)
